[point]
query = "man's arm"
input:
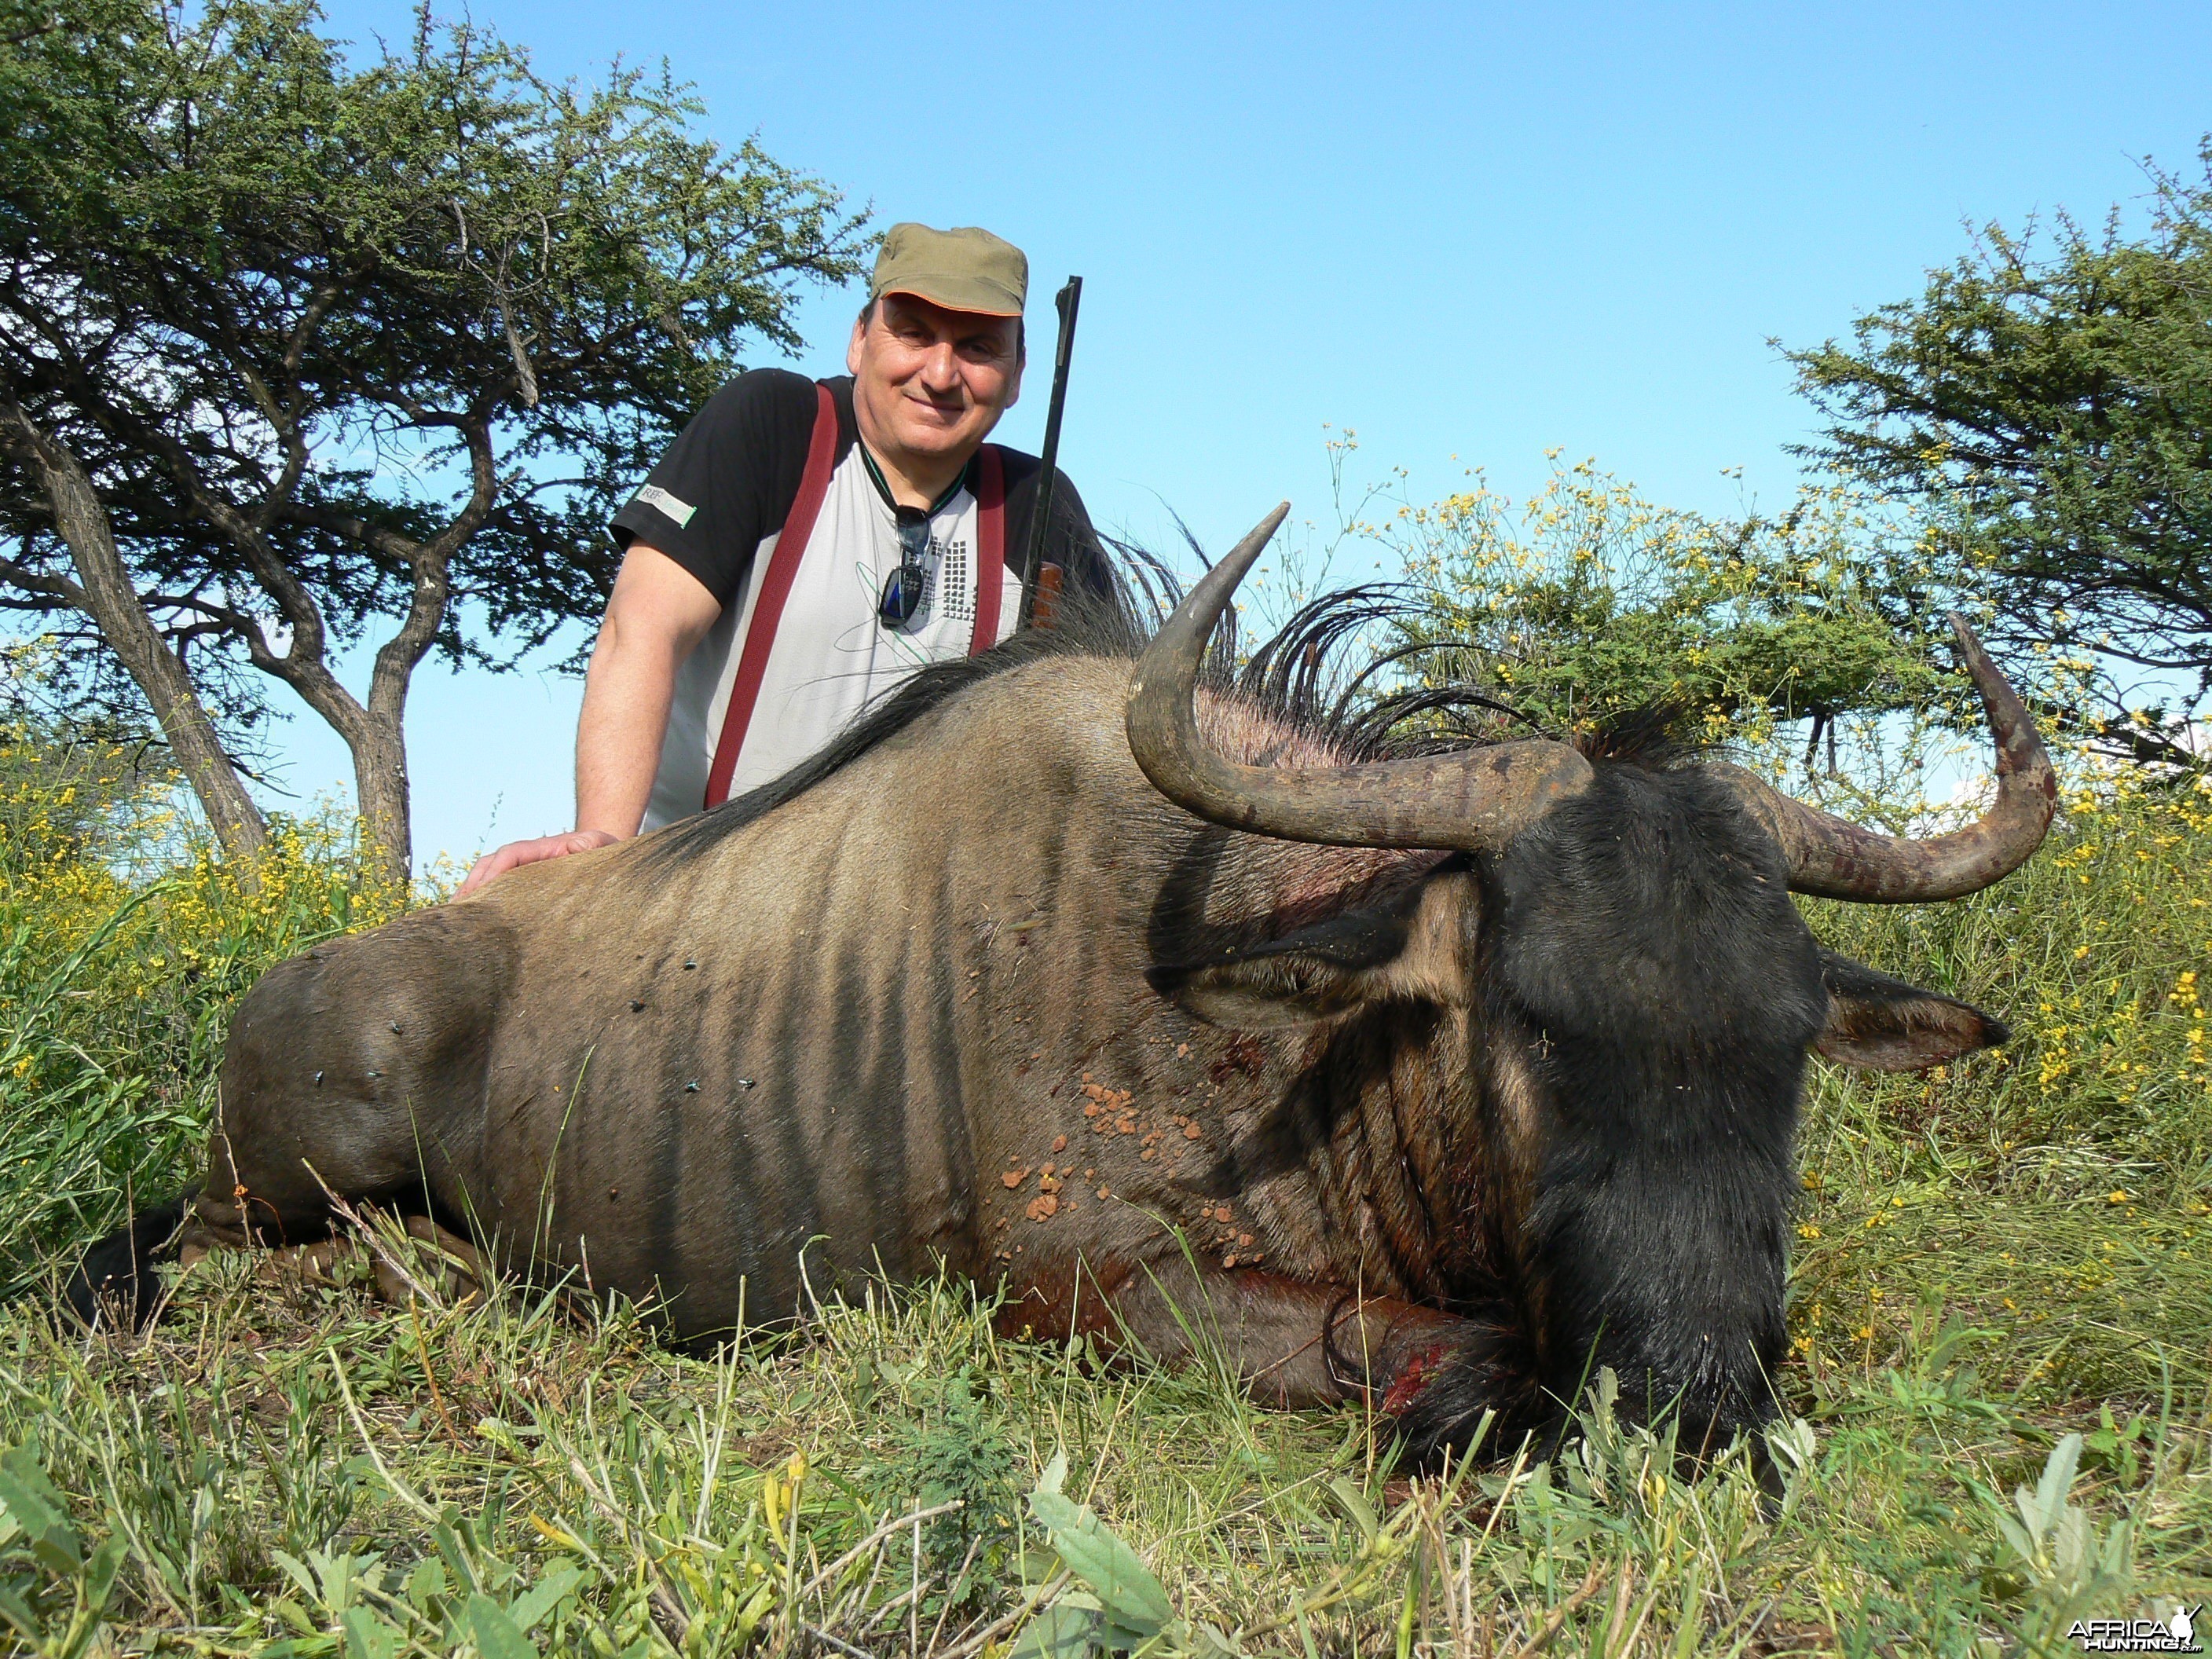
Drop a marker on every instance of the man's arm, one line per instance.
(656, 617)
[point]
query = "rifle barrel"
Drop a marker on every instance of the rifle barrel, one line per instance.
(1066, 302)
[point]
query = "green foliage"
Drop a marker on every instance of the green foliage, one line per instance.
(467, 1594)
(953, 1449)
(1122, 1606)
(2058, 1544)
(219, 213)
(117, 982)
(2052, 407)
(52, 1590)
(73, 787)
(1588, 603)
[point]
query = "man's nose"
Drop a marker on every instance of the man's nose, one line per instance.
(940, 368)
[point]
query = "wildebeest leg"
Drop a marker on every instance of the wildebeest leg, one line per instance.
(457, 1269)
(115, 1282)
(1294, 1343)
(451, 1269)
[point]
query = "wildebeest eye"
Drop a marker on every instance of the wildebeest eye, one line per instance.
(1324, 970)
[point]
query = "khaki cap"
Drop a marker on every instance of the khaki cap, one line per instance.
(964, 268)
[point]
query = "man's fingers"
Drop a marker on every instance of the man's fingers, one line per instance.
(481, 872)
(531, 852)
(506, 857)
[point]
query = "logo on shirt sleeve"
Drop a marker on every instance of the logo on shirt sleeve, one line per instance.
(670, 506)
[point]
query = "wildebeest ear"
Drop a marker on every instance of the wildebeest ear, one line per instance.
(1877, 1024)
(1328, 968)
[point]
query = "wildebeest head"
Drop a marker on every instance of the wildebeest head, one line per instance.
(1635, 996)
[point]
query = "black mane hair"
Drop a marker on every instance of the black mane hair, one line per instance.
(1086, 626)
(1297, 675)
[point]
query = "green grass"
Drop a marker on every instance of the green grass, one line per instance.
(1991, 1262)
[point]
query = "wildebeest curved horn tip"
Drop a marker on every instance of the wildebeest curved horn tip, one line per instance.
(1185, 633)
(1835, 860)
(1470, 801)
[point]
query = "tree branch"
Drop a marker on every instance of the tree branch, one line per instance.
(112, 601)
(432, 564)
(388, 543)
(56, 587)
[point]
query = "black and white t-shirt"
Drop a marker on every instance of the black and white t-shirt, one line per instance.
(716, 504)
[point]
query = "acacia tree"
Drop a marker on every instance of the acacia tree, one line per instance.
(2051, 407)
(290, 348)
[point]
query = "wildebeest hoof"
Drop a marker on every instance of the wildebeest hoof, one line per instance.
(327, 1264)
(451, 1267)
(418, 1259)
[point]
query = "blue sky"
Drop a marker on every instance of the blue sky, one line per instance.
(1461, 231)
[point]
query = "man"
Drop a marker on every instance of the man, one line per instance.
(802, 548)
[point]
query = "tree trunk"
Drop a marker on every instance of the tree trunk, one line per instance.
(375, 734)
(112, 602)
(379, 773)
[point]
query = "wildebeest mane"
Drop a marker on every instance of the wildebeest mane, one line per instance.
(1086, 625)
(1299, 676)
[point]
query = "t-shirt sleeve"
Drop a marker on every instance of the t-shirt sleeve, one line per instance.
(727, 481)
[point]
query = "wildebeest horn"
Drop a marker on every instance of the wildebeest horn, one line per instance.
(1836, 860)
(1468, 800)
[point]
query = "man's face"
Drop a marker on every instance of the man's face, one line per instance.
(929, 381)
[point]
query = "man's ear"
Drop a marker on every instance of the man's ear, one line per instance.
(1877, 1024)
(1327, 969)
(859, 335)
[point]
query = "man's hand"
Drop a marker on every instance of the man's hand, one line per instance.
(530, 851)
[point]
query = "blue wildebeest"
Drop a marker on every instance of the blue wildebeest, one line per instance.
(1444, 1076)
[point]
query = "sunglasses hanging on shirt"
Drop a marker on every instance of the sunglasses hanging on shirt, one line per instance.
(903, 588)
(902, 594)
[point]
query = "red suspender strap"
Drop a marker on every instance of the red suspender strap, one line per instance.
(776, 587)
(990, 546)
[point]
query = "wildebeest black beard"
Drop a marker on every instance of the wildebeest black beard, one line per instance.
(1643, 956)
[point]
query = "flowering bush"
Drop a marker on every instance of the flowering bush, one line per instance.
(124, 943)
(1588, 601)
